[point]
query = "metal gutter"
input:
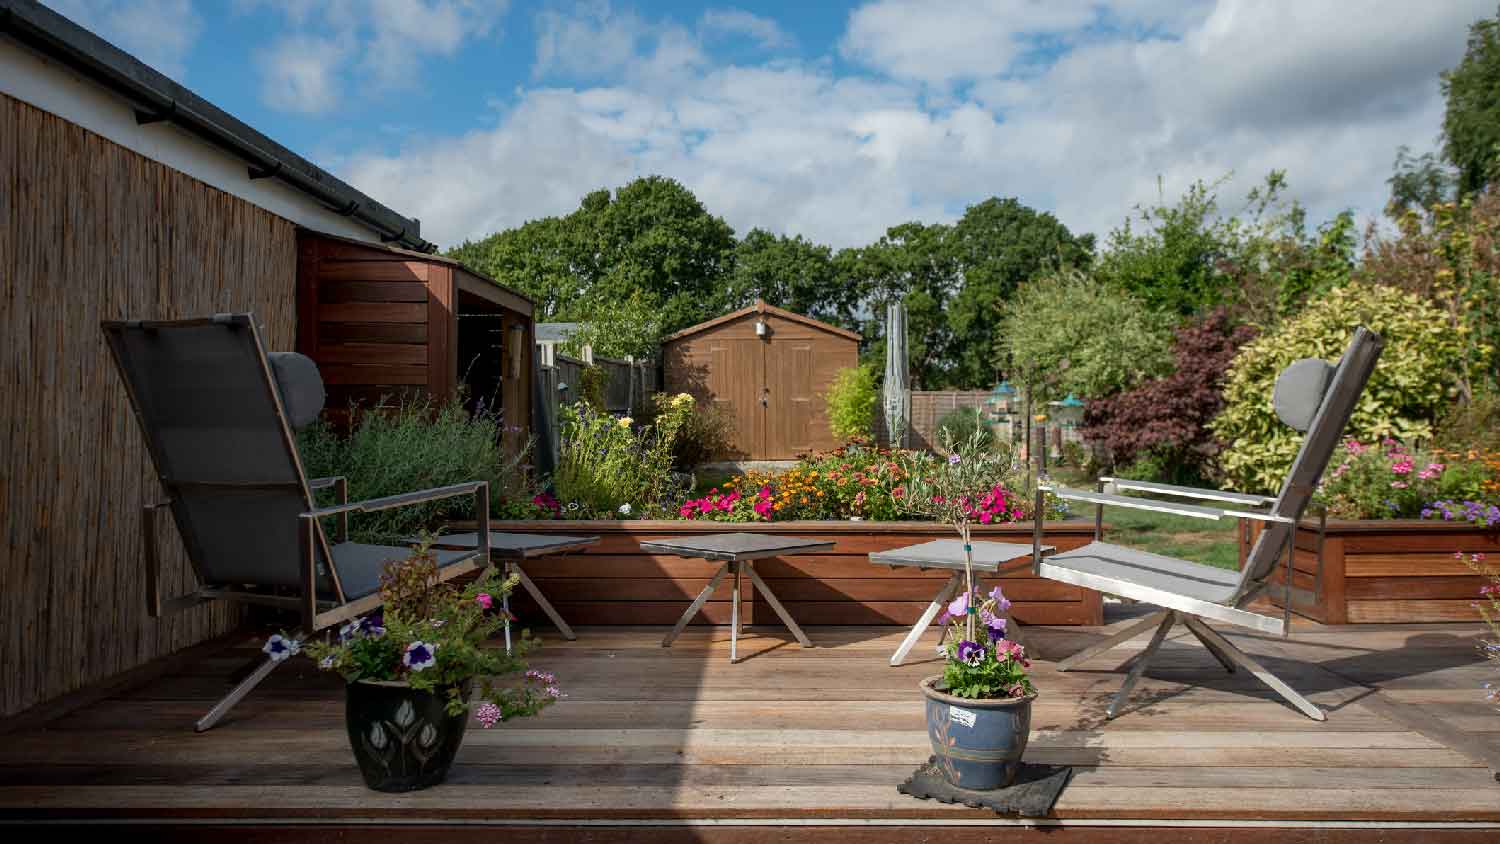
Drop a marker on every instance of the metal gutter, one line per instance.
(158, 99)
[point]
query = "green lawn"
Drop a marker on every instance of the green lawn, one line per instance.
(1199, 540)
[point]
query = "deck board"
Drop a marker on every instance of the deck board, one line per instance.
(820, 734)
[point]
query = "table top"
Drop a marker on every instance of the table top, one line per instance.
(735, 546)
(522, 545)
(949, 554)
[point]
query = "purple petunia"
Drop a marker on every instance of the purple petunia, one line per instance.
(487, 714)
(280, 647)
(419, 656)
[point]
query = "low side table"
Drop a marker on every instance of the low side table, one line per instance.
(510, 550)
(949, 554)
(738, 552)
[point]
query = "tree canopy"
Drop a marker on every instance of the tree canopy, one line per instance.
(1471, 121)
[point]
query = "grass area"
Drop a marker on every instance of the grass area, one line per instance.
(1199, 540)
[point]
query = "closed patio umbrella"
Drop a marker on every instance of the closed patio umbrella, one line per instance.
(897, 392)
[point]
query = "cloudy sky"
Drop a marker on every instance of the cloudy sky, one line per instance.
(834, 120)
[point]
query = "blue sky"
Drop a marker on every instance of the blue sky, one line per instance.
(834, 120)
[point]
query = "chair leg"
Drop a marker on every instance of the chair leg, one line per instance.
(1114, 641)
(1169, 617)
(1307, 707)
(1193, 625)
(235, 695)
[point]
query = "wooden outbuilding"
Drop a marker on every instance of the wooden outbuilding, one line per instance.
(771, 369)
(384, 322)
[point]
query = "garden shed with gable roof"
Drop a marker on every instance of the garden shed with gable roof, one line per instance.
(770, 369)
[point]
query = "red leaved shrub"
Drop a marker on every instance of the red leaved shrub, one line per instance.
(1166, 419)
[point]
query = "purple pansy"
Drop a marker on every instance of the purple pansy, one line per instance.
(970, 653)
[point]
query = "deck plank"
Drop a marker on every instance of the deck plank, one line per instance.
(821, 733)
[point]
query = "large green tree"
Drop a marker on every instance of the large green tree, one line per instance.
(912, 263)
(1471, 123)
(792, 273)
(651, 244)
(998, 245)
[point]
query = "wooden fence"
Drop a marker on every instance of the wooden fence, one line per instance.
(91, 231)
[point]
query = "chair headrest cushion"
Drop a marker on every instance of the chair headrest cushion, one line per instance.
(301, 387)
(1299, 391)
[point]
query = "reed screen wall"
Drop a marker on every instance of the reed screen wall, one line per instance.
(91, 231)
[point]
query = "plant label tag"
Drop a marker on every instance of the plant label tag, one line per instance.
(961, 716)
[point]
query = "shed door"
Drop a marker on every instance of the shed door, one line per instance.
(789, 429)
(737, 373)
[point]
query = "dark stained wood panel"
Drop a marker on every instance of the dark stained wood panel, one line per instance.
(374, 271)
(374, 353)
(334, 292)
(374, 312)
(373, 332)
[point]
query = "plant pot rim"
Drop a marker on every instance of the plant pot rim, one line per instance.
(403, 684)
(927, 687)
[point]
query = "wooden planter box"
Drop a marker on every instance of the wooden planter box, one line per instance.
(615, 582)
(1385, 572)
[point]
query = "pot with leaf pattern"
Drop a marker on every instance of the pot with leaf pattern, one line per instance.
(976, 743)
(403, 738)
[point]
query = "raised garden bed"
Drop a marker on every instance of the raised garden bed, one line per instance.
(615, 582)
(1385, 572)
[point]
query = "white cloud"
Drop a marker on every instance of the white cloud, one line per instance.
(733, 23)
(379, 44)
(1084, 128)
(160, 33)
(299, 73)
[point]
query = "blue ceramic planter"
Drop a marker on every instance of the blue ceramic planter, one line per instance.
(978, 743)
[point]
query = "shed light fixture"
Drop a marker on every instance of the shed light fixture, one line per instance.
(760, 328)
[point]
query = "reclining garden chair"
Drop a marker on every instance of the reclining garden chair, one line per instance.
(1312, 396)
(218, 415)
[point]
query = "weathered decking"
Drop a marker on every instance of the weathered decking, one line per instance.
(705, 750)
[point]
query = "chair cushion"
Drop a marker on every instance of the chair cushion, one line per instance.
(1299, 391)
(300, 385)
(360, 566)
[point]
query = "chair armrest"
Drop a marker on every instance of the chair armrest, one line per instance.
(1192, 492)
(405, 499)
(324, 483)
(1210, 513)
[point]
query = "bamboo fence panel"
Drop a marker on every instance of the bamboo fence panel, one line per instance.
(91, 231)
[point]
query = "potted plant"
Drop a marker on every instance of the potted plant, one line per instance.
(979, 708)
(413, 669)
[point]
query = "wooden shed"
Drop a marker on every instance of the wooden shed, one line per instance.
(770, 368)
(385, 322)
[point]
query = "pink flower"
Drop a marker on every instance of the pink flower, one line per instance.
(1432, 471)
(763, 508)
(986, 517)
(484, 600)
(487, 714)
(1399, 484)
(1402, 466)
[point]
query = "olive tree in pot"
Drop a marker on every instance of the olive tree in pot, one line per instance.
(979, 708)
(413, 669)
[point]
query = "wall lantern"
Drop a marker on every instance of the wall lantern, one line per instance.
(761, 329)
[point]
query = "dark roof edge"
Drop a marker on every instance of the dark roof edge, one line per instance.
(157, 98)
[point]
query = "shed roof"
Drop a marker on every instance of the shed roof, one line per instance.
(508, 297)
(556, 332)
(762, 308)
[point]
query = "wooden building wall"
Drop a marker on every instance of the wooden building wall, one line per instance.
(91, 231)
(384, 323)
(772, 386)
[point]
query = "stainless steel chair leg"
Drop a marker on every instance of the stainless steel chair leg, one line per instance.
(1193, 625)
(1116, 640)
(235, 695)
(1140, 664)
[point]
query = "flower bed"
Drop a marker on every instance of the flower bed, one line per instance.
(1391, 571)
(615, 582)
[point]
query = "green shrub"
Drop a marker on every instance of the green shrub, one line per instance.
(1068, 333)
(410, 447)
(608, 469)
(1411, 383)
(851, 403)
(706, 434)
(1472, 424)
(591, 387)
(963, 424)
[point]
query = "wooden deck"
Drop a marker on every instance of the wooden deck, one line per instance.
(682, 745)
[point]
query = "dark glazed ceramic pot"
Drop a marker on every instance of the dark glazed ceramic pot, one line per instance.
(978, 743)
(403, 739)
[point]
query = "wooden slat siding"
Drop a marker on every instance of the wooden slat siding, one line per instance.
(1388, 572)
(614, 582)
(90, 231)
(337, 374)
(373, 354)
(442, 325)
(360, 332)
(373, 312)
(333, 292)
(376, 270)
